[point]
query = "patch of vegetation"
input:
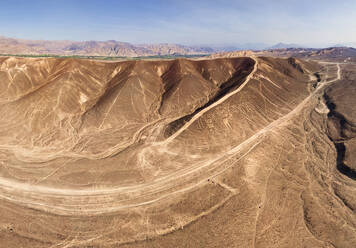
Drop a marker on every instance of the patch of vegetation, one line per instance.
(174, 56)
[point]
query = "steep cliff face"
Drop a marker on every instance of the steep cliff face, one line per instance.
(230, 151)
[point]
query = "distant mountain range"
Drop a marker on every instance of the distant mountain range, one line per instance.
(96, 48)
(339, 54)
(113, 48)
(125, 49)
(347, 44)
(285, 45)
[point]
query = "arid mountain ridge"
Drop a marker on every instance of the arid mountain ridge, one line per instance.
(95, 48)
(114, 48)
(340, 54)
(240, 152)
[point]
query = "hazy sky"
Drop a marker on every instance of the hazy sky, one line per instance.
(218, 22)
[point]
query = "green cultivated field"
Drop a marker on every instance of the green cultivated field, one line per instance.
(104, 57)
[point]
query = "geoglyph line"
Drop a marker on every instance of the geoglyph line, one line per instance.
(218, 102)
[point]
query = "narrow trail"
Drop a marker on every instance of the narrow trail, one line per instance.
(100, 201)
(218, 102)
